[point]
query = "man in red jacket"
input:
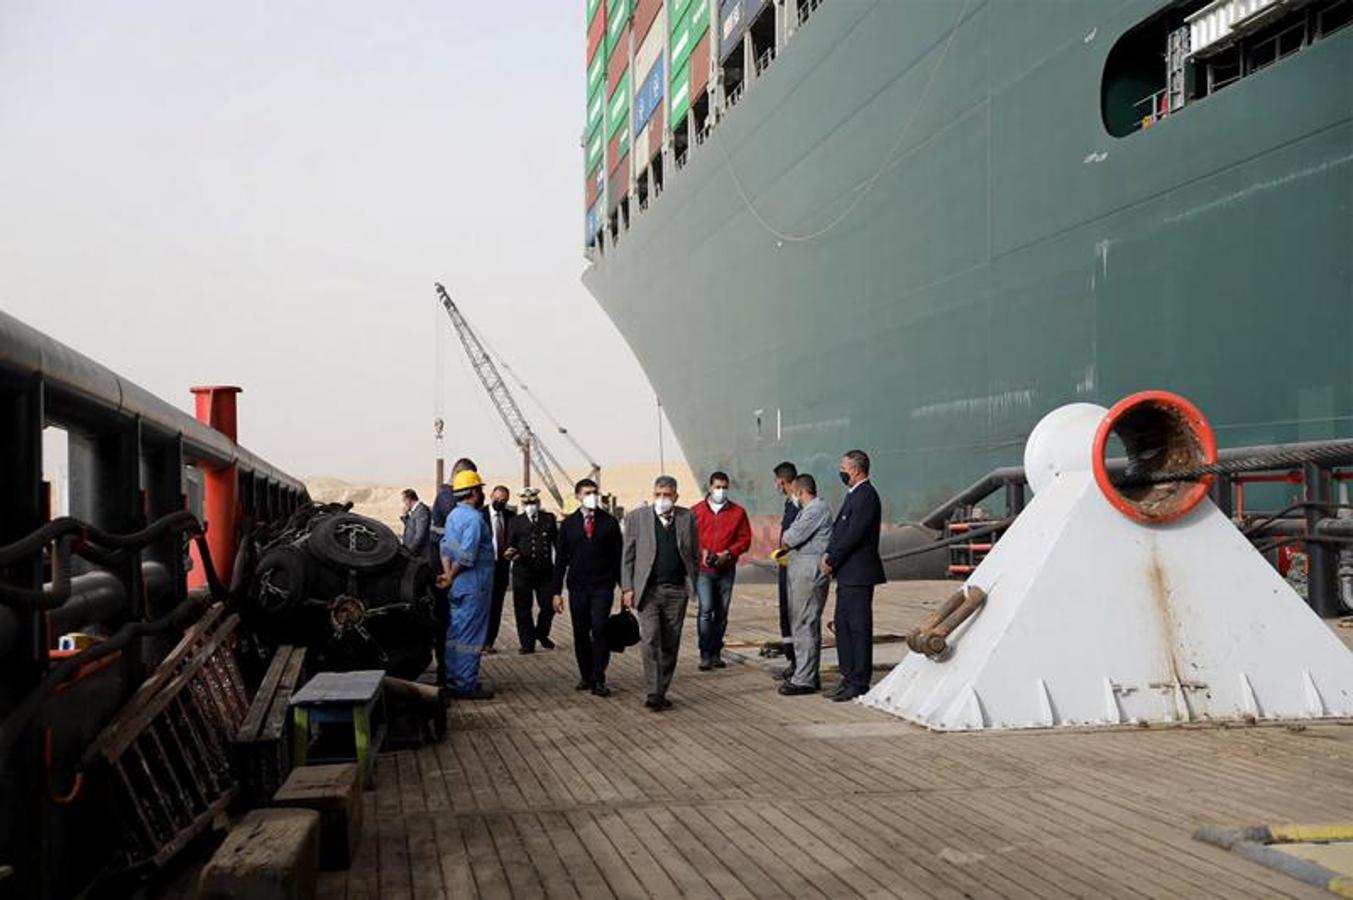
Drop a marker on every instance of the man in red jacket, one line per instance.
(725, 534)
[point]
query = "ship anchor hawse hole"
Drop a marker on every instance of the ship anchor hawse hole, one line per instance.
(1160, 433)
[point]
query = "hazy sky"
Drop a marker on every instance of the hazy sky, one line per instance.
(263, 193)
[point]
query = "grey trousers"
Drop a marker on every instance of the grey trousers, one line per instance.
(807, 599)
(662, 612)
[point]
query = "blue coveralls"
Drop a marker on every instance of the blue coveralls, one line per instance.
(467, 541)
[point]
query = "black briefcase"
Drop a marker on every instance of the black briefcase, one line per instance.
(622, 630)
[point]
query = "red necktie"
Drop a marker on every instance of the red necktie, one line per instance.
(587, 526)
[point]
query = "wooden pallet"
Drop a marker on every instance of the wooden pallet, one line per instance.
(261, 750)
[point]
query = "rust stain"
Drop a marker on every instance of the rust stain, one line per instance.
(1159, 587)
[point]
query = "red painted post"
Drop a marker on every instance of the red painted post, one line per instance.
(216, 407)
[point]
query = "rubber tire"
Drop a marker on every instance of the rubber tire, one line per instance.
(294, 566)
(329, 546)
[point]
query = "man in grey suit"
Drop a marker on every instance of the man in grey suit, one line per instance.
(417, 519)
(658, 567)
(806, 540)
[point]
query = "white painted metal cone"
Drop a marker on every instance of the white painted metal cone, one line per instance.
(1093, 619)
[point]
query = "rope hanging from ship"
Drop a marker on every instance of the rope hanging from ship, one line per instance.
(784, 237)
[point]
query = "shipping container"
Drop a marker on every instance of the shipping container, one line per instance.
(619, 61)
(646, 12)
(680, 92)
(618, 186)
(649, 95)
(596, 73)
(693, 25)
(678, 8)
(691, 80)
(617, 16)
(596, 143)
(592, 185)
(699, 65)
(618, 106)
(735, 17)
(592, 224)
(592, 7)
(596, 35)
(596, 108)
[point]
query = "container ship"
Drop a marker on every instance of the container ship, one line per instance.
(915, 226)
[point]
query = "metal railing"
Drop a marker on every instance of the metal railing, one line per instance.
(112, 568)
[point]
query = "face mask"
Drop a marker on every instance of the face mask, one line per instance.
(500, 505)
(845, 478)
(531, 509)
(662, 505)
(798, 501)
(589, 501)
(717, 495)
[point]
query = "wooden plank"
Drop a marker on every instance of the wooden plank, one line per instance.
(263, 699)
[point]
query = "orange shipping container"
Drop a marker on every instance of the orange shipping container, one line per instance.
(699, 67)
(620, 60)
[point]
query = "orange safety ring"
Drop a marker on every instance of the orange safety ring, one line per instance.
(1186, 495)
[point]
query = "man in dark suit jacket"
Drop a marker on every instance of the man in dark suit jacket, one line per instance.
(852, 559)
(499, 516)
(587, 561)
(530, 545)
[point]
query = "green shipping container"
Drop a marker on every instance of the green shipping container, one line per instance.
(596, 73)
(676, 11)
(591, 10)
(616, 17)
(618, 108)
(596, 149)
(596, 107)
(680, 94)
(688, 33)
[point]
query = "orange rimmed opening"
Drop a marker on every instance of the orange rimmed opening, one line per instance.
(1160, 432)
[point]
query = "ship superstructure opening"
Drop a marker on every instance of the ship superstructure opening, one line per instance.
(1194, 49)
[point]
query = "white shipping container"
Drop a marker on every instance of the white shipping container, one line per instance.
(650, 51)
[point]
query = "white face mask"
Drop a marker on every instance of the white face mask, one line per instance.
(589, 501)
(718, 495)
(798, 501)
(662, 505)
(531, 509)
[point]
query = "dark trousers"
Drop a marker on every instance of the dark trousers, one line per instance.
(589, 610)
(502, 570)
(855, 635)
(532, 626)
(661, 614)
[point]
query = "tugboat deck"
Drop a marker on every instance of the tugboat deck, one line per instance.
(739, 792)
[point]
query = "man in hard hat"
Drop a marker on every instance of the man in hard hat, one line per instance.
(467, 568)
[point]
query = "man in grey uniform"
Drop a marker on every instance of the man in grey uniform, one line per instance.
(806, 540)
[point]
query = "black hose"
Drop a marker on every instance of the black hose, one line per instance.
(1332, 453)
(949, 541)
(17, 721)
(182, 520)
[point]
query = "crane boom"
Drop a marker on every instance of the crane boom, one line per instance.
(543, 462)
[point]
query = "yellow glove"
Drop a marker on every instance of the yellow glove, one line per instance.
(780, 555)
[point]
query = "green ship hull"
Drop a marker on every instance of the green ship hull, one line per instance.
(919, 245)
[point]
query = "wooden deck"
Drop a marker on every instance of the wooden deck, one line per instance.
(739, 792)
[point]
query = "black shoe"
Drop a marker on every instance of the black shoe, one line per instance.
(479, 693)
(583, 686)
(718, 663)
(790, 689)
(705, 665)
(546, 642)
(664, 703)
(525, 650)
(653, 701)
(601, 690)
(839, 689)
(847, 695)
(785, 674)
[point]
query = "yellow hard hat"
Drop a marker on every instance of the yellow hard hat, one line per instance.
(465, 481)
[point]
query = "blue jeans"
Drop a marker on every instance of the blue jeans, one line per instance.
(715, 594)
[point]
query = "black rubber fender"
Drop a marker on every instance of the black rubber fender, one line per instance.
(281, 582)
(350, 541)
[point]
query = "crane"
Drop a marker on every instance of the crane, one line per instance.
(536, 455)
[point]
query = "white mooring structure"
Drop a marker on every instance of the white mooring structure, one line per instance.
(1110, 606)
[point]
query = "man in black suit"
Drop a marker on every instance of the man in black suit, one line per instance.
(852, 558)
(530, 545)
(587, 561)
(500, 517)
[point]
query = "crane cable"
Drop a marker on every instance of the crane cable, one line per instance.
(785, 237)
